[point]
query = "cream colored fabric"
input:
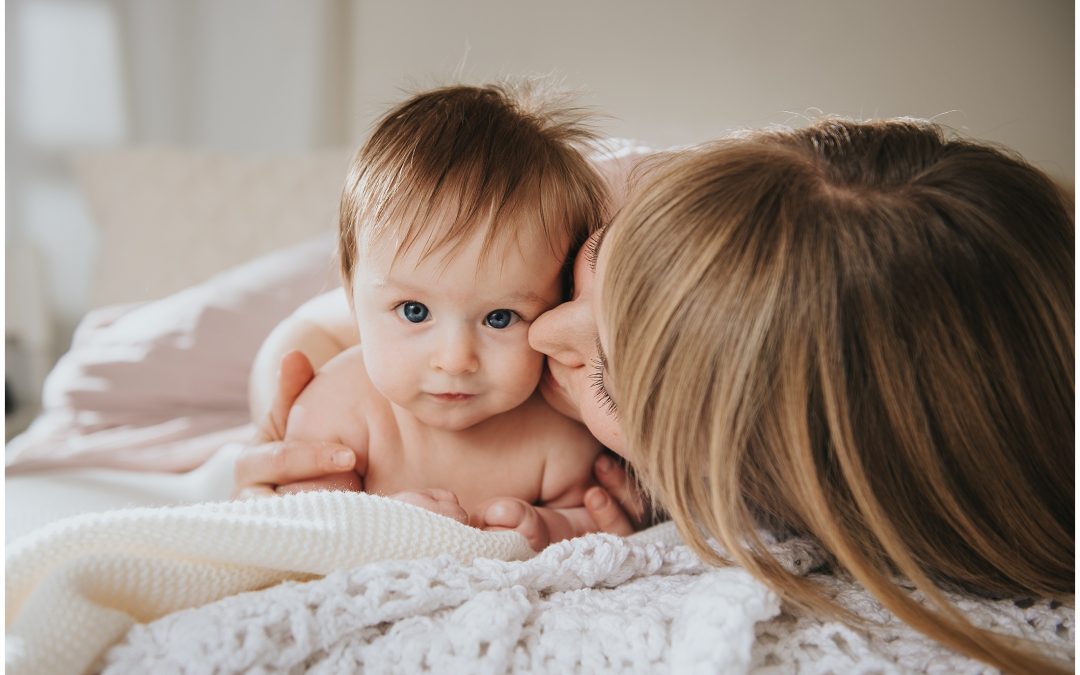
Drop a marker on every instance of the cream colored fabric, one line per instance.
(169, 218)
(595, 604)
(160, 386)
(77, 586)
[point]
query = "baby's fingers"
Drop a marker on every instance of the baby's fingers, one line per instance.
(442, 502)
(514, 514)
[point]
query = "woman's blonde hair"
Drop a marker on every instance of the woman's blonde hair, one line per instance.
(860, 332)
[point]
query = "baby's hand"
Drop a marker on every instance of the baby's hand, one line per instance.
(508, 513)
(443, 502)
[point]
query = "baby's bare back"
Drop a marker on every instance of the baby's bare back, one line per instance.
(531, 452)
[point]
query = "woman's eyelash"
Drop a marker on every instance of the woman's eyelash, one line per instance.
(592, 244)
(592, 251)
(602, 394)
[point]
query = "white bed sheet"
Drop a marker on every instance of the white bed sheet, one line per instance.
(38, 498)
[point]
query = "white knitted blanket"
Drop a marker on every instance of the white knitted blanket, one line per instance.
(75, 587)
(444, 598)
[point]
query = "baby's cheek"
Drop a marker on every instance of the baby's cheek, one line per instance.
(389, 373)
(521, 371)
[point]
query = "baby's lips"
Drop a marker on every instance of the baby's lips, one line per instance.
(453, 397)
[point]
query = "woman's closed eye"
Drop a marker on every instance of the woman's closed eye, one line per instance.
(602, 394)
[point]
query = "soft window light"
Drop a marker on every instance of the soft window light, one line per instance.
(69, 76)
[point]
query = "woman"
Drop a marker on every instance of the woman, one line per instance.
(858, 332)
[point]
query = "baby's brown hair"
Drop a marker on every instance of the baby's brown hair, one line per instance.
(487, 156)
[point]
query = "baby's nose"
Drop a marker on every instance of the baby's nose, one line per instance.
(456, 354)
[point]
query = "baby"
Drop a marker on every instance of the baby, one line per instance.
(456, 220)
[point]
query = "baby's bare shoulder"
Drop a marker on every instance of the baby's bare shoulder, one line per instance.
(342, 379)
(331, 406)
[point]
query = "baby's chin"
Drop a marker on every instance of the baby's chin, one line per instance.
(458, 416)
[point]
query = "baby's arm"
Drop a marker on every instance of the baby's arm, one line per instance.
(330, 410)
(560, 513)
(321, 328)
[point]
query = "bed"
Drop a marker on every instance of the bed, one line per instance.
(124, 554)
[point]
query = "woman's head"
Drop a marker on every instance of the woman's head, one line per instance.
(567, 335)
(861, 332)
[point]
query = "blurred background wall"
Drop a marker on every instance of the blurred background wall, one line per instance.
(287, 77)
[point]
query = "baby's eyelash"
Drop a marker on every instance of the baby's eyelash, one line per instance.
(602, 394)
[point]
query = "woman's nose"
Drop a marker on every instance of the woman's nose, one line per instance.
(554, 333)
(456, 353)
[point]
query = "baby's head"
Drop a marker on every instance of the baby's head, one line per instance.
(456, 221)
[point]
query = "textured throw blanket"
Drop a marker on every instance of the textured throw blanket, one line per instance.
(76, 586)
(597, 604)
(415, 592)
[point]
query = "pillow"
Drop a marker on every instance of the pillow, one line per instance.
(143, 379)
(169, 218)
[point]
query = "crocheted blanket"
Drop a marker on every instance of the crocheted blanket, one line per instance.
(417, 592)
(597, 604)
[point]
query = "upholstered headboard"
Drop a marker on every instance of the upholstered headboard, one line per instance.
(170, 218)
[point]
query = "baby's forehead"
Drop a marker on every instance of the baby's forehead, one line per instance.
(522, 239)
(450, 224)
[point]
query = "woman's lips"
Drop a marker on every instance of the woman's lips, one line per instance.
(555, 385)
(550, 380)
(557, 396)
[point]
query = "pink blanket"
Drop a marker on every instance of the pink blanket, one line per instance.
(160, 386)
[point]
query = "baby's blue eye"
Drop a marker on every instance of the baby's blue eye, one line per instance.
(413, 312)
(501, 318)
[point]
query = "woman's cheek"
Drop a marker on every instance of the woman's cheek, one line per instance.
(603, 425)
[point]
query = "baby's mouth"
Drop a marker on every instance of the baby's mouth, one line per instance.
(453, 397)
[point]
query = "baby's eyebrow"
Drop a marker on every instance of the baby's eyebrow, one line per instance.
(525, 297)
